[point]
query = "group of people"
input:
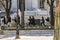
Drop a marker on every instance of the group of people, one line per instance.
(31, 20)
(5, 21)
(8, 22)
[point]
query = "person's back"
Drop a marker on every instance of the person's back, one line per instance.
(30, 20)
(18, 19)
(9, 20)
(33, 20)
(4, 20)
(47, 19)
(43, 20)
(15, 20)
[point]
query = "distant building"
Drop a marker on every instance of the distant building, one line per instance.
(36, 8)
(31, 5)
(13, 8)
(39, 7)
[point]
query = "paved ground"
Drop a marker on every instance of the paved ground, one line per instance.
(31, 32)
(36, 27)
(28, 34)
(29, 38)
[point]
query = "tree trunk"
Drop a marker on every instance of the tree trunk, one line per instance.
(22, 15)
(52, 15)
(7, 15)
(57, 22)
(57, 25)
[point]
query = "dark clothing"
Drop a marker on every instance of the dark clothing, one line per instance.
(9, 19)
(15, 20)
(18, 19)
(33, 21)
(4, 20)
(47, 19)
(30, 21)
(43, 21)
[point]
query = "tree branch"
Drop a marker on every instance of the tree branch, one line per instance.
(48, 2)
(6, 4)
(10, 4)
(53, 0)
(2, 4)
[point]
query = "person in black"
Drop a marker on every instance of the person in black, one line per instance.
(9, 19)
(15, 20)
(4, 20)
(33, 20)
(43, 21)
(47, 19)
(30, 22)
(18, 19)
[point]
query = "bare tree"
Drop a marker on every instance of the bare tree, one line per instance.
(22, 14)
(51, 4)
(57, 21)
(7, 6)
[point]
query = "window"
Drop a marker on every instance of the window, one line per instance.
(42, 3)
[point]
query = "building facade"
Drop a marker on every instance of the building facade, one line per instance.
(39, 7)
(35, 8)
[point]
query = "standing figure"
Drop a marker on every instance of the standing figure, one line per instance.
(43, 21)
(18, 21)
(47, 19)
(30, 22)
(9, 21)
(4, 21)
(33, 20)
(15, 20)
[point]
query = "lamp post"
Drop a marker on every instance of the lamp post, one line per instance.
(17, 30)
(1, 31)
